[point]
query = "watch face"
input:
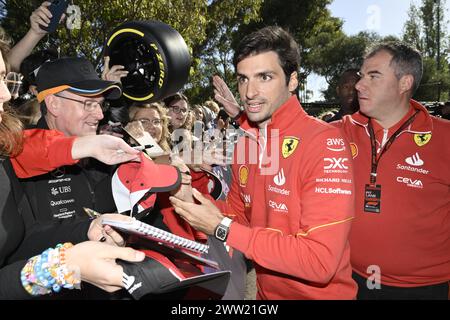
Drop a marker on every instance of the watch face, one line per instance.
(221, 233)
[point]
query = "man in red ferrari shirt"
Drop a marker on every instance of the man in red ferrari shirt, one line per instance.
(400, 238)
(292, 207)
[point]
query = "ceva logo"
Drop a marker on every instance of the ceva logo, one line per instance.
(278, 206)
(410, 182)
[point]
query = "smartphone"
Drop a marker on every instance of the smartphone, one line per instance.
(57, 8)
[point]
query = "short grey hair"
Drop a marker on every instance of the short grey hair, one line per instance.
(406, 60)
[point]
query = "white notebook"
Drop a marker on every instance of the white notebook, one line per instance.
(140, 228)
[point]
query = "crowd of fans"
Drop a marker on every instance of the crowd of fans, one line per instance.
(51, 191)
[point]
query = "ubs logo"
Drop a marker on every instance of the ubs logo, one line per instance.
(59, 190)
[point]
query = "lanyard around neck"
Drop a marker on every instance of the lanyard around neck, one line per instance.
(375, 159)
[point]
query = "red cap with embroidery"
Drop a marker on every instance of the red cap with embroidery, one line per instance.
(135, 184)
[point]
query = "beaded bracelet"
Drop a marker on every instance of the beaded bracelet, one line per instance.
(49, 272)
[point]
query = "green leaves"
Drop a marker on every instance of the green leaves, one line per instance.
(198, 21)
(426, 30)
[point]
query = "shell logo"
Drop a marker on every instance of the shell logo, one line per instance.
(354, 149)
(243, 176)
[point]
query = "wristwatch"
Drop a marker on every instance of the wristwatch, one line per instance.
(235, 118)
(222, 229)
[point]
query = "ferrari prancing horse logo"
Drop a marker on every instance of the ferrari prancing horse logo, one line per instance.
(289, 146)
(422, 139)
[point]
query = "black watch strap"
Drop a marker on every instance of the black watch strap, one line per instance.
(238, 115)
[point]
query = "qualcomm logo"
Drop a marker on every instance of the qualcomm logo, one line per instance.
(415, 160)
(280, 179)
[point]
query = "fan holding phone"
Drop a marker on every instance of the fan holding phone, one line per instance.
(49, 15)
(45, 17)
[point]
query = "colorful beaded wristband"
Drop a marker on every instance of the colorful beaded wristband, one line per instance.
(49, 272)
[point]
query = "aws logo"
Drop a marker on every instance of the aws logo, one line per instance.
(336, 145)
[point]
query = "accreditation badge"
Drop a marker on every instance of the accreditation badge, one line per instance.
(372, 198)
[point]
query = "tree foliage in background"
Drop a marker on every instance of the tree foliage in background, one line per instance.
(196, 20)
(214, 55)
(212, 28)
(305, 20)
(424, 31)
(412, 30)
(333, 54)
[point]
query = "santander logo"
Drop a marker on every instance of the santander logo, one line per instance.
(280, 179)
(415, 160)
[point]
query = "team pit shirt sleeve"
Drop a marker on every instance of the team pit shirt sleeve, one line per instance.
(43, 151)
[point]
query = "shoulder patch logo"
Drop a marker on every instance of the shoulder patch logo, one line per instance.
(289, 146)
(243, 176)
(422, 139)
(354, 149)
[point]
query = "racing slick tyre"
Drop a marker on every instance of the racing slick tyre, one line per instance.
(154, 54)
